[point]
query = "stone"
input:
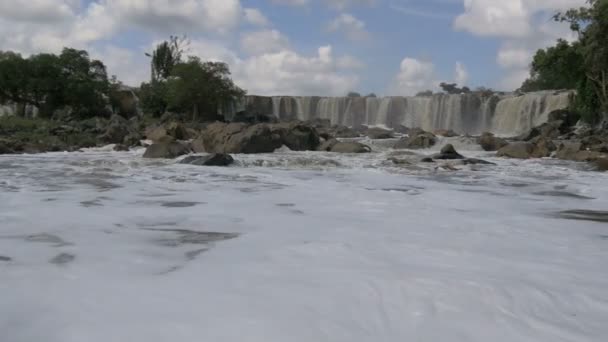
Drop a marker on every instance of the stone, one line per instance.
(427, 160)
(121, 148)
(198, 145)
(155, 133)
(379, 133)
(519, 150)
(350, 147)
(327, 145)
(446, 133)
(448, 152)
(167, 150)
(491, 143)
(474, 161)
(543, 147)
(601, 164)
(118, 128)
(568, 117)
(418, 139)
(216, 159)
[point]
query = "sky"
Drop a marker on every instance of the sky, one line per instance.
(303, 47)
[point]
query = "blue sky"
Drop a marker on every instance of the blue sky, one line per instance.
(303, 47)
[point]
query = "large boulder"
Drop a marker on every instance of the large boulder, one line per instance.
(543, 147)
(167, 150)
(350, 147)
(117, 130)
(216, 159)
(519, 150)
(343, 132)
(379, 133)
(327, 145)
(259, 138)
(601, 164)
(491, 143)
(568, 117)
(574, 150)
(418, 139)
(448, 152)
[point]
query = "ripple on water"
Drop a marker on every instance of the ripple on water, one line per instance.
(584, 215)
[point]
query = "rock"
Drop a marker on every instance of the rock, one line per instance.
(379, 133)
(398, 161)
(198, 145)
(519, 150)
(120, 147)
(216, 159)
(343, 132)
(132, 139)
(568, 117)
(259, 138)
(543, 147)
(177, 131)
(446, 133)
(474, 161)
(156, 133)
(168, 150)
(448, 152)
(350, 147)
(491, 143)
(601, 164)
(5, 258)
(402, 129)
(118, 128)
(569, 150)
(253, 117)
(418, 139)
(327, 145)
(550, 130)
(427, 160)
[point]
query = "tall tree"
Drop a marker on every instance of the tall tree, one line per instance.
(201, 88)
(166, 56)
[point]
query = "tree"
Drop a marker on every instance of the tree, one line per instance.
(557, 67)
(582, 65)
(371, 95)
(426, 93)
(452, 88)
(166, 56)
(200, 87)
(353, 94)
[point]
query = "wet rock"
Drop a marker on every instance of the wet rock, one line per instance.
(259, 138)
(418, 139)
(491, 143)
(379, 133)
(474, 161)
(448, 152)
(519, 150)
(445, 133)
(574, 150)
(118, 128)
(350, 147)
(585, 215)
(343, 132)
(401, 129)
(550, 130)
(601, 164)
(62, 259)
(543, 147)
(427, 160)
(216, 159)
(326, 146)
(120, 148)
(398, 161)
(568, 117)
(198, 145)
(155, 133)
(167, 150)
(5, 258)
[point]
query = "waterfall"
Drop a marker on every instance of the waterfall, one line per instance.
(466, 114)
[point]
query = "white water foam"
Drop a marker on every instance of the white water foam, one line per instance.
(331, 248)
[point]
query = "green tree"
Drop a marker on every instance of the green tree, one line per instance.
(353, 94)
(166, 56)
(153, 98)
(201, 89)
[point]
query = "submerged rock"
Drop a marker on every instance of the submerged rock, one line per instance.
(601, 164)
(120, 148)
(491, 143)
(216, 159)
(448, 133)
(350, 147)
(167, 150)
(327, 145)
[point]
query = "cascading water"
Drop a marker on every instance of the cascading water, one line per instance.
(466, 114)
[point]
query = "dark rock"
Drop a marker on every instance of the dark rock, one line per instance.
(568, 117)
(297, 136)
(168, 150)
(343, 132)
(254, 117)
(418, 139)
(350, 147)
(519, 150)
(448, 152)
(474, 161)
(427, 160)
(216, 159)
(5, 258)
(398, 161)
(491, 143)
(62, 259)
(132, 139)
(543, 147)
(601, 164)
(402, 129)
(327, 145)
(118, 128)
(120, 147)
(379, 133)
(550, 130)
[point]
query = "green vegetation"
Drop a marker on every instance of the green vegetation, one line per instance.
(581, 65)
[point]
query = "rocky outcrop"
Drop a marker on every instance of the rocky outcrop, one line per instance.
(491, 143)
(418, 139)
(216, 159)
(327, 145)
(350, 147)
(519, 150)
(601, 164)
(172, 129)
(260, 138)
(576, 151)
(166, 150)
(448, 133)
(118, 131)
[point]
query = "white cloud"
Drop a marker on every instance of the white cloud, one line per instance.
(349, 62)
(260, 42)
(38, 10)
(414, 76)
(334, 4)
(255, 17)
(353, 28)
(461, 75)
